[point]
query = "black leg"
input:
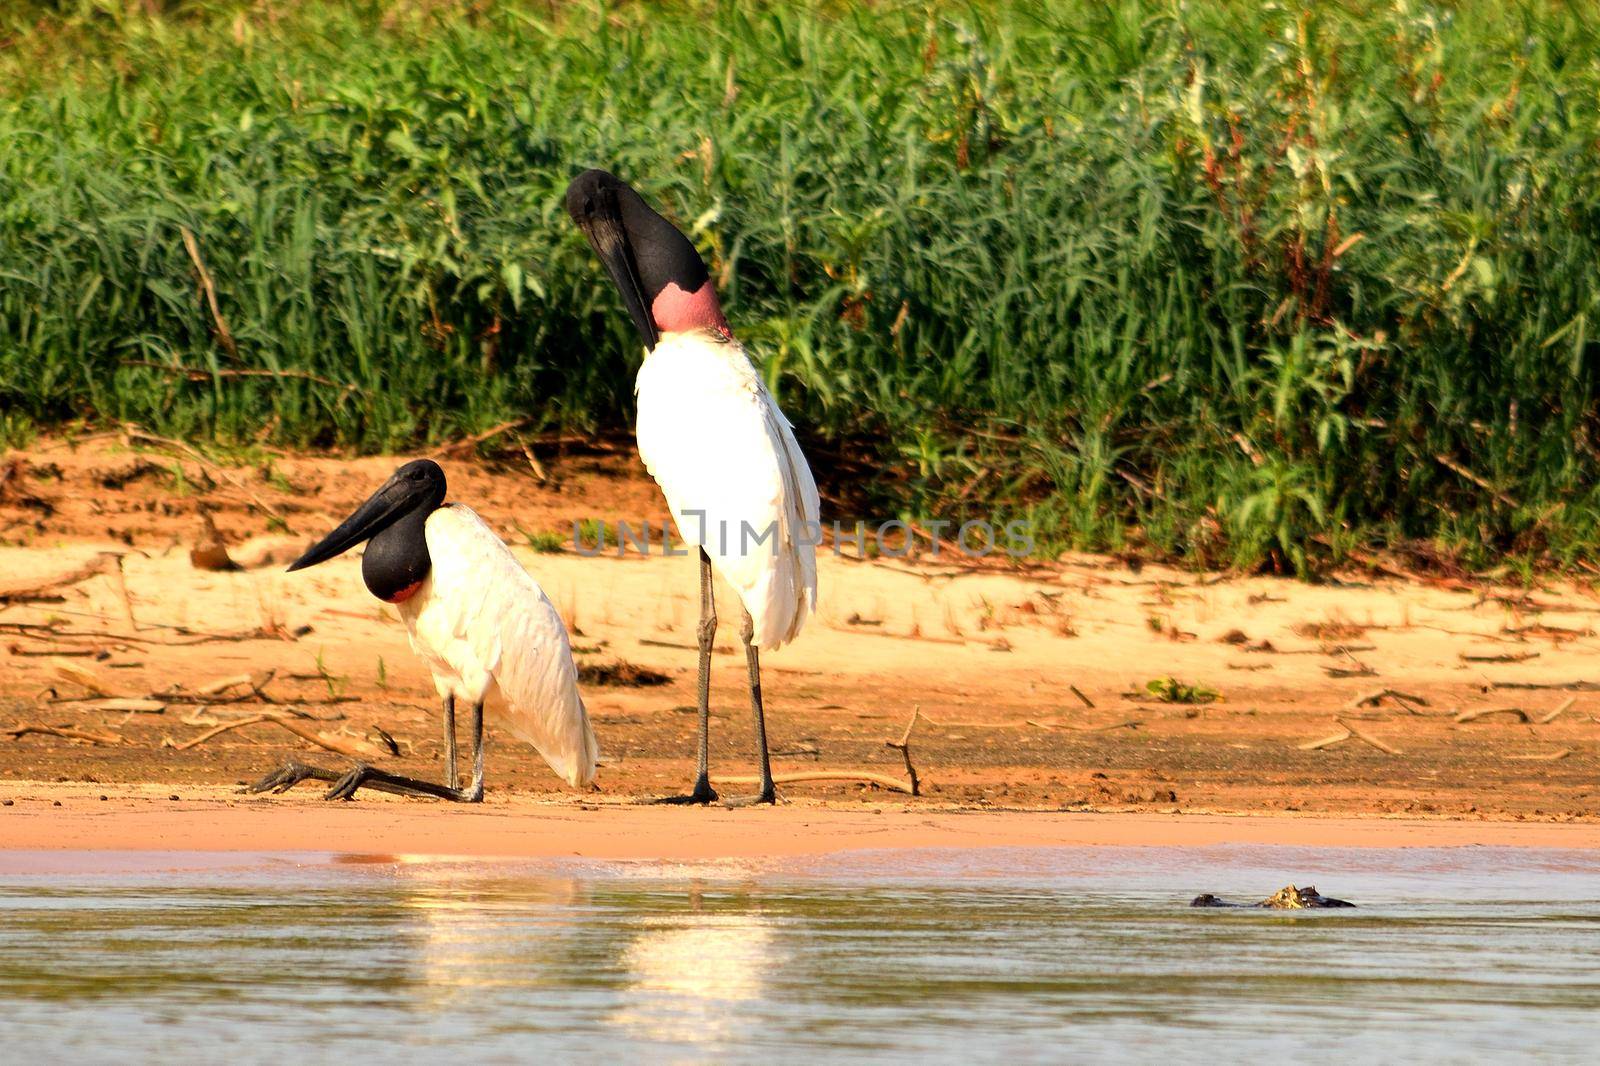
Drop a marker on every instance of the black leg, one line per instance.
(290, 774)
(703, 792)
(364, 776)
(345, 785)
(450, 742)
(766, 793)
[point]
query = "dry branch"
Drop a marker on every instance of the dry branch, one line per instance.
(1484, 712)
(223, 684)
(53, 652)
(83, 677)
(194, 373)
(21, 729)
(192, 246)
(890, 783)
(254, 684)
(1363, 735)
(903, 746)
(1487, 486)
(1326, 742)
(1566, 705)
(48, 589)
(125, 704)
(478, 438)
(350, 749)
(134, 434)
(1377, 695)
(1126, 723)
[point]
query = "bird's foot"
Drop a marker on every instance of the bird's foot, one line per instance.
(290, 774)
(364, 776)
(702, 796)
(345, 788)
(766, 795)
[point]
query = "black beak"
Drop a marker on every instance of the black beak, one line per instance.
(382, 510)
(609, 239)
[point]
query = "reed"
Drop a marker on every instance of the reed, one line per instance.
(1236, 283)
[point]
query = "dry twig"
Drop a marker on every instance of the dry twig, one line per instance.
(49, 589)
(903, 746)
(134, 433)
(21, 729)
(350, 749)
(192, 246)
(880, 780)
(1566, 705)
(1483, 712)
(1363, 735)
(1326, 742)
(1507, 657)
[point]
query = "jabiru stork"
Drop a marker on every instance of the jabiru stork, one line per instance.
(712, 436)
(476, 619)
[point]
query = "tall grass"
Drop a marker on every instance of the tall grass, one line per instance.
(1241, 282)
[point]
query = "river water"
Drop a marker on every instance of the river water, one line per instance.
(1460, 954)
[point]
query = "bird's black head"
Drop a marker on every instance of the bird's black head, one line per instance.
(393, 519)
(663, 280)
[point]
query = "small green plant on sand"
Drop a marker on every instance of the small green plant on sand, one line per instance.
(1171, 690)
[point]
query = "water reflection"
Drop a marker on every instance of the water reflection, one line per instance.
(468, 933)
(409, 956)
(688, 974)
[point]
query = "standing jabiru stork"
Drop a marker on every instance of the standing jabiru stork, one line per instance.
(476, 619)
(710, 433)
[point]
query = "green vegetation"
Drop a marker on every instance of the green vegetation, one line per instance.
(1235, 281)
(1171, 690)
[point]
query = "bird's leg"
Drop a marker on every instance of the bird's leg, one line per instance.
(450, 741)
(475, 790)
(708, 636)
(292, 772)
(364, 776)
(766, 794)
(703, 792)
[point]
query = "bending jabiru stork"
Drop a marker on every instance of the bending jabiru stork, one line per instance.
(710, 433)
(476, 619)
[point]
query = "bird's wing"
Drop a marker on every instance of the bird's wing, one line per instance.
(716, 442)
(487, 615)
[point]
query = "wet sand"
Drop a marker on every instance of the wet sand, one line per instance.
(206, 820)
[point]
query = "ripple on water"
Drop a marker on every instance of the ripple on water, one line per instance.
(996, 953)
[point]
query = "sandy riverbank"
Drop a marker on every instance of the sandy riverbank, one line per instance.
(1033, 685)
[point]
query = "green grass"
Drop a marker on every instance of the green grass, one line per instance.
(1228, 281)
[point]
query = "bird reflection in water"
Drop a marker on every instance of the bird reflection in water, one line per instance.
(468, 930)
(667, 964)
(687, 973)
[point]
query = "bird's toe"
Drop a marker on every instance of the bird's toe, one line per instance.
(282, 779)
(345, 788)
(768, 797)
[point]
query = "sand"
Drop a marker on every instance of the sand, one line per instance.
(213, 820)
(1033, 684)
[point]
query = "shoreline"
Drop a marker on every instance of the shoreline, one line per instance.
(47, 817)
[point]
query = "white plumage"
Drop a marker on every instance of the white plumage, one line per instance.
(716, 442)
(480, 622)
